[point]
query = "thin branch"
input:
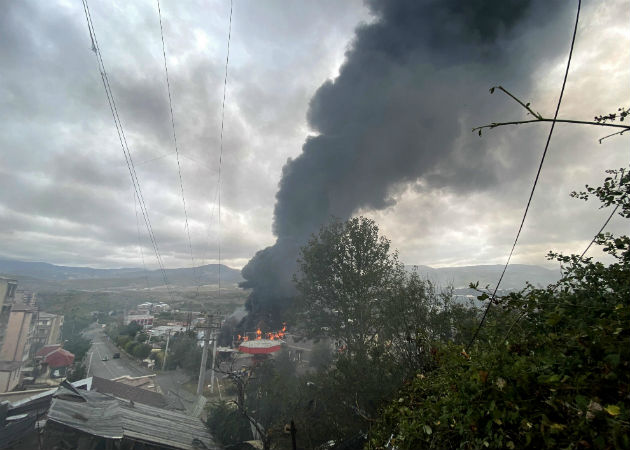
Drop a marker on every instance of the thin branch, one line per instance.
(578, 122)
(614, 134)
(526, 106)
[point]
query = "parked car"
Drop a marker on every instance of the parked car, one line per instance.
(116, 355)
(105, 358)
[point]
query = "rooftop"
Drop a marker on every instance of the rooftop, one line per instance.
(127, 392)
(108, 417)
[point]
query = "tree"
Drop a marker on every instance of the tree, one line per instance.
(346, 276)
(354, 290)
(550, 369)
(227, 424)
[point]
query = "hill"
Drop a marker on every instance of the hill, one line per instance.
(515, 277)
(41, 275)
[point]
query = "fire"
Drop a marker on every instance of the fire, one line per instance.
(269, 335)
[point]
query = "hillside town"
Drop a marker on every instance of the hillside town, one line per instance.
(45, 387)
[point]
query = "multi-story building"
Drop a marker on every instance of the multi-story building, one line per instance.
(26, 297)
(47, 330)
(146, 320)
(8, 287)
(16, 329)
(17, 339)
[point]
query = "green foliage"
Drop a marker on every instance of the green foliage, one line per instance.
(77, 345)
(346, 275)
(128, 347)
(77, 372)
(227, 424)
(355, 294)
(551, 369)
(185, 353)
(614, 191)
(122, 340)
(140, 350)
(130, 330)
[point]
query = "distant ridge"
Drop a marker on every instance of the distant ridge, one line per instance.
(90, 278)
(515, 277)
(33, 275)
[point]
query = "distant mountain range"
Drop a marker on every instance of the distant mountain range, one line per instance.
(515, 277)
(40, 275)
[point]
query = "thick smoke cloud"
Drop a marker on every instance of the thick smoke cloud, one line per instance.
(413, 84)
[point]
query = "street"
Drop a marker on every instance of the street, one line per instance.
(113, 368)
(170, 382)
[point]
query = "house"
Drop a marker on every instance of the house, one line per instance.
(54, 360)
(92, 420)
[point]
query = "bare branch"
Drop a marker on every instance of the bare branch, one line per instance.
(526, 106)
(614, 134)
(577, 122)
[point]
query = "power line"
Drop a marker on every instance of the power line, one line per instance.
(531, 194)
(227, 61)
(600, 231)
(179, 170)
(144, 266)
(123, 141)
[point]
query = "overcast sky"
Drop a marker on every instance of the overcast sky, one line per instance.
(65, 193)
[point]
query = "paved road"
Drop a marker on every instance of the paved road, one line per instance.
(113, 368)
(170, 382)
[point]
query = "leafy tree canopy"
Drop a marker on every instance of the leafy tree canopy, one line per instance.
(551, 368)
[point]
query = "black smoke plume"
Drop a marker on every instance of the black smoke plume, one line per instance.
(414, 82)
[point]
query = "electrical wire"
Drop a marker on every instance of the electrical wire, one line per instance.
(600, 231)
(123, 143)
(227, 61)
(531, 195)
(179, 169)
(144, 266)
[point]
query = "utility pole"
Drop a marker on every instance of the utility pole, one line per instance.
(214, 358)
(168, 338)
(209, 331)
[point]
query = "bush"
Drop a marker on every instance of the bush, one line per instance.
(551, 370)
(227, 424)
(140, 350)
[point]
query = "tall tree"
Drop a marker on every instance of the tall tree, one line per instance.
(347, 274)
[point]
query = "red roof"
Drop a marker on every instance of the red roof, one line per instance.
(59, 358)
(260, 346)
(47, 349)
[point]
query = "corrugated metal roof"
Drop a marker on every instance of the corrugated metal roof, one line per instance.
(90, 412)
(102, 415)
(125, 391)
